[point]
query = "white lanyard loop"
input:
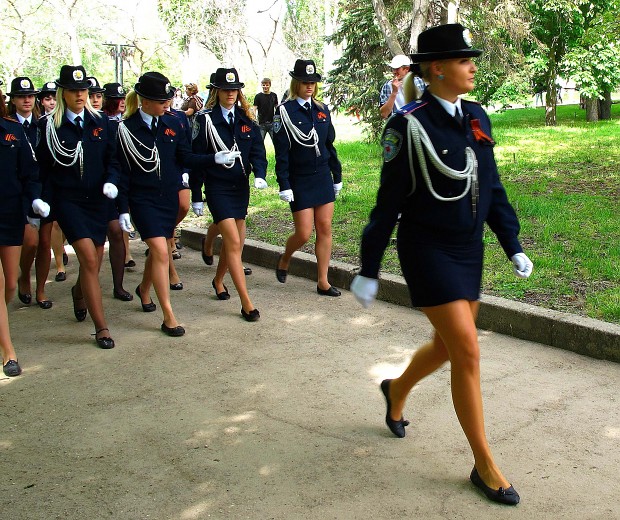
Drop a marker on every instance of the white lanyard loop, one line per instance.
(58, 150)
(217, 144)
(309, 140)
(130, 150)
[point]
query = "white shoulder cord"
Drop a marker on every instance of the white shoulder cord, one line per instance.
(309, 140)
(216, 141)
(58, 150)
(128, 144)
(419, 137)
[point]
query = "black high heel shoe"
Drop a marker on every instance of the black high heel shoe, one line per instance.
(26, 299)
(396, 427)
(80, 314)
(207, 259)
(146, 307)
(224, 295)
(106, 342)
(508, 496)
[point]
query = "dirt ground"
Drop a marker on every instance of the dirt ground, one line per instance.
(283, 418)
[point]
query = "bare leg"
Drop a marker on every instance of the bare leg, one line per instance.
(29, 251)
(158, 276)
(212, 232)
(9, 257)
(323, 245)
(172, 274)
(128, 256)
(6, 345)
(90, 256)
(303, 229)
(58, 240)
(43, 259)
(116, 254)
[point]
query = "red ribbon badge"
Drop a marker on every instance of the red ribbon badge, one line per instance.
(97, 131)
(170, 131)
(479, 134)
(10, 137)
(321, 115)
(245, 128)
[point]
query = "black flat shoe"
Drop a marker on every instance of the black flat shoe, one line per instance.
(253, 315)
(45, 304)
(332, 291)
(61, 276)
(175, 254)
(65, 259)
(12, 368)
(146, 307)
(176, 286)
(247, 271)
(207, 259)
(222, 295)
(508, 496)
(175, 332)
(106, 342)
(131, 263)
(281, 274)
(80, 314)
(122, 295)
(396, 427)
(26, 299)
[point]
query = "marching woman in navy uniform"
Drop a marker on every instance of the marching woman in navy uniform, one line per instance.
(440, 173)
(77, 158)
(20, 181)
(308, 170)
(228, 125)
(153, 149)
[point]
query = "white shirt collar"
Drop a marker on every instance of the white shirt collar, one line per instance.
(21, 119)
(303, 101)
(147, 118)
(451, 108)
(72, 115)
(225, 112)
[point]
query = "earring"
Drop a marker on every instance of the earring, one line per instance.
(440, 77)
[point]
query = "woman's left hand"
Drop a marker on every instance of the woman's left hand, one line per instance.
(337, 188)
(523, 266)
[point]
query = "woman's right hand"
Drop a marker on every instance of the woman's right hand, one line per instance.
(365, 289)
(287, 195)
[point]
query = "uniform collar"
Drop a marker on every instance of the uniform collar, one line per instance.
(302, 102)
(225, 112)
(147, 118)
(21, 119)
(71, 116)
(450, 108)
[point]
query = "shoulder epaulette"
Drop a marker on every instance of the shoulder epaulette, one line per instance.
(9, 118)
(471, 101)
(411, 107)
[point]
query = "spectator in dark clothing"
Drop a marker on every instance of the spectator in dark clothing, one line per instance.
(264, 105)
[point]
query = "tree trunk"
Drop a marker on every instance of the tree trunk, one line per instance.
(419, 22)
(550, 105)
(386, 27)
(591, 110)
(604, 104)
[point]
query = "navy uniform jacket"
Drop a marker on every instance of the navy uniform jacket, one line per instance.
(174, 154)
(295, 159)
(100, 163)
(20, 171)
(250, 143)
(423, 217)
(31, 133)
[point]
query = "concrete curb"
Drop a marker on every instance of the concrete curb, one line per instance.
(593, 338)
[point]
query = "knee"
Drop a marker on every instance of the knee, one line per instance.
(303, 234)
(466, 355)
(115, 234)
(10, 286)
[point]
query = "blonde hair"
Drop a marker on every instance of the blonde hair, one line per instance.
(293, 91)
(61, 107)
(132, 103)
(410, 89)
(242, 102)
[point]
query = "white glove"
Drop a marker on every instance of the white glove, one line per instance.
(34, 222)
(523, 266)
(198, 208)
(41, 208)
(110, 191)
(185, 180)
(125, 222)
(287, 196)
(227, 158)
(260, 183)
(364, 289)
(337, 188)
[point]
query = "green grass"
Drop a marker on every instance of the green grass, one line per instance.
(564, 183)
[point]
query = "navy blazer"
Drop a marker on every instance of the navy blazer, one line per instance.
(100, 163)
(174, 154)
(249, 141)
(295, 159)
(425, 218)
(20, 171)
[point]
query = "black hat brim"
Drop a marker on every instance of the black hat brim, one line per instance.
(170, 95)
(228, 86)
(25, 92)
(308, 78)
(445, 55)
(77, 85)
(94, 90)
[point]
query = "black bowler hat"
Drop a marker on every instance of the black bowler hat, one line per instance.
(73, 77)
(114, 91)
(226, 79)
(22, 86)
(209, 86)
(444, 42)
(155, 86)
(94, 87)
(47, 89)
(305, 71)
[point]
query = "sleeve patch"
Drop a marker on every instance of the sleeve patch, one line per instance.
(391, 143)
(277, 123)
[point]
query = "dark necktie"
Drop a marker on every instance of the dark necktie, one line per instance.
(307, 106)
(231, 120)
(26, 125)
(154, 126)
(78, 123)
(458, 117)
